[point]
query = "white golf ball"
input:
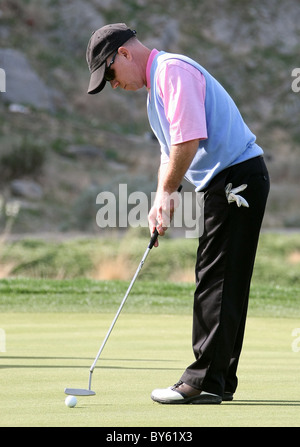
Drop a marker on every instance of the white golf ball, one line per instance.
(71, 401)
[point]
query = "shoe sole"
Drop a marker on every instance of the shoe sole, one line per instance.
(196, 400)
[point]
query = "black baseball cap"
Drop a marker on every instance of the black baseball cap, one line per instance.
(103, 43)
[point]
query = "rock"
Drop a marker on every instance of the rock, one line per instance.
(78, 15)
(84, 150)
(18, 108)
(23, 85)
(26, 188)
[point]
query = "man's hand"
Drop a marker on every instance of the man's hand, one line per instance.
(161, 214)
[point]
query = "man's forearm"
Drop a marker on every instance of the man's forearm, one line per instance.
(172, 173)
(169, 179)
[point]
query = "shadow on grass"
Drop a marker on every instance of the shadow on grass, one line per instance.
(258, 402)
(39, 358)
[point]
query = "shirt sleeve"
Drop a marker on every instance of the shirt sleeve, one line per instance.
(182, 90)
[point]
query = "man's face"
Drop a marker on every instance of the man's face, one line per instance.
(125, 71)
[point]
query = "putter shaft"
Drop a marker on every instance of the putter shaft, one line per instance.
(119, 311)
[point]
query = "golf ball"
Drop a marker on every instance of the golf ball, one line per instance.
(71, 401)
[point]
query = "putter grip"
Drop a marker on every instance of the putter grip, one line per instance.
(155, 234)
(153, 239)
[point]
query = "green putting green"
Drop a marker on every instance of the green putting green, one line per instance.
(46, 352)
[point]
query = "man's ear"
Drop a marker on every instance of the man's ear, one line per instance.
(125, 52)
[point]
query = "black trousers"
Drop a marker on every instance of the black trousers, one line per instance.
(224, 267)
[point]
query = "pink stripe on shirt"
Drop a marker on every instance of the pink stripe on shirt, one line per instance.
(182, 89)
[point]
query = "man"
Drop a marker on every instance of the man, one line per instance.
(204, 139)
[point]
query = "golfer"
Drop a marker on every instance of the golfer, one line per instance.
(204, 139)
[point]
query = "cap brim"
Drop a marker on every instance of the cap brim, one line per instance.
(97, 82)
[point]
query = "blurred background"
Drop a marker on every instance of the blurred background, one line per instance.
(60, 147)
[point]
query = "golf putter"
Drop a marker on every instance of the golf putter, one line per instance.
(89, 391)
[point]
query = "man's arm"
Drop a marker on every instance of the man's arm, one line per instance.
(170, 178)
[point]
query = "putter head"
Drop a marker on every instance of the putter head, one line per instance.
(79, 392)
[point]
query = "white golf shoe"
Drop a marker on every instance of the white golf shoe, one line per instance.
(181, 393)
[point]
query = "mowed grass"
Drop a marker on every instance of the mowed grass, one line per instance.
(53, 330)
(47, 352)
